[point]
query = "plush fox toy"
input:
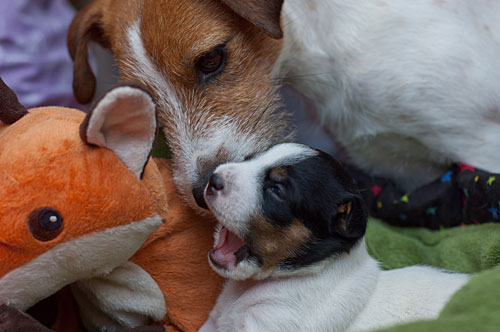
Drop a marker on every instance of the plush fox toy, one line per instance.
(82, 204)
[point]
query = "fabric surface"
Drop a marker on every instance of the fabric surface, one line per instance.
(34, 60)
(463, 195)
(469, 249)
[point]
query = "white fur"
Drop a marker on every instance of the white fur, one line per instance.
(74, 260)
(348, 293)
(241, 196)
(406, 86)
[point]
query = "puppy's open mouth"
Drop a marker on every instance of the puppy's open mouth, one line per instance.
(229, 249)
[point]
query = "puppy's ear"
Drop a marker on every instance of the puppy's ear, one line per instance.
(350, 219)
(265, 14)
(11, 109)
(124, 121)
(85, 27)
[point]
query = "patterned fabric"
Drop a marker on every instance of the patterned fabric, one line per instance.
(463, 195)
(34, 60)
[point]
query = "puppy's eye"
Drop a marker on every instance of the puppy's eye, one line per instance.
(45, 224)
(211, 63)
(277, 190)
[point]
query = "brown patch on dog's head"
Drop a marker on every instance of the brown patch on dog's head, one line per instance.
(273, 244)
(278, 174)
(177, 33)
(343, 213)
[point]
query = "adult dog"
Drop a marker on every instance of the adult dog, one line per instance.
(408, 87)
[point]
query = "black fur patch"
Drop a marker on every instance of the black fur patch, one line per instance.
(312, 192)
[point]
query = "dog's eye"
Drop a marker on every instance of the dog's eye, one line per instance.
(277, 190)
(211, 63)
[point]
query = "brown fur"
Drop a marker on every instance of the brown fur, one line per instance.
(273, 244)
(278, 174)
(344, 210)
(194, 28)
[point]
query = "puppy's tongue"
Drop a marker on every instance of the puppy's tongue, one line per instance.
(229, 249)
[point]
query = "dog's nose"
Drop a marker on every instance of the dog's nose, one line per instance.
(206, 170)
(198, 197)
(199, 188)
(215, 184)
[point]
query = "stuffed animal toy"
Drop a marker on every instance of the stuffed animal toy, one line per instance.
(83, 204)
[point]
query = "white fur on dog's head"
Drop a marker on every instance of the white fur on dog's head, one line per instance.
(285, 210)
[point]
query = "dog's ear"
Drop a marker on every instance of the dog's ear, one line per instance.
(265, 14)
(85, 27)
(11, 109)
(124, 121)
(350, 218)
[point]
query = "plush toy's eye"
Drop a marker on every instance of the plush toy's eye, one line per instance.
(45, 224)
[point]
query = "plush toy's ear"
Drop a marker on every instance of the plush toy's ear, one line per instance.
(85, 27)
(265, 14)
(124, 121)
(11, 109)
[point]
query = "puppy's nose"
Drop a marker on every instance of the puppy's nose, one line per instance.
(215, 184)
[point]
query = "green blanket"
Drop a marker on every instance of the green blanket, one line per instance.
(471, 249)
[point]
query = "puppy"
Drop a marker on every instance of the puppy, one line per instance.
(290, 240)
(408, 87)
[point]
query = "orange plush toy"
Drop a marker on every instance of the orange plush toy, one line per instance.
(82, 204)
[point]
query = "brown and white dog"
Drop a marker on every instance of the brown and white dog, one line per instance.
(407, 86)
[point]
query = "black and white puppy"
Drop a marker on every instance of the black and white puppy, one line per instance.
(290, 242)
